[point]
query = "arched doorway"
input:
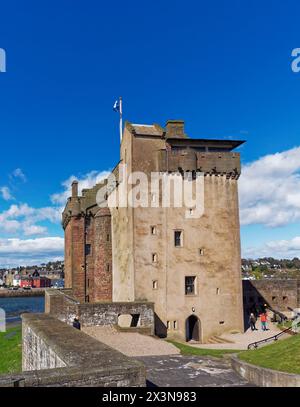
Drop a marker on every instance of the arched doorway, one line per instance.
(193, 328)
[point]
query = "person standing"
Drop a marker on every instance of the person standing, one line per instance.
(252, 322)
(263, 321)
(76, 323)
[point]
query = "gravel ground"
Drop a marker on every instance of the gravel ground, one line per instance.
(131, 344)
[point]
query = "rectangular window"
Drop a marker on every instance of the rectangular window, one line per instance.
(201, 252)
(154, 284)
(153, 230)
(190, 285)
(178, 238)
(107, 267)
(107, 237)
(88, 249)
(175, 325)
(168, 325)
(218, 291)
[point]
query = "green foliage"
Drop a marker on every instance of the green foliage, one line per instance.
(11, 350)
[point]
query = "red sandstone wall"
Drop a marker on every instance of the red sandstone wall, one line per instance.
(102, 281)
(77, 249)
(68, 257)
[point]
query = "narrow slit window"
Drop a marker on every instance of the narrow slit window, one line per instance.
(154, 258)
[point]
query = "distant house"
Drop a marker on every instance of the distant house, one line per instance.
(16, 280)
(35, 282)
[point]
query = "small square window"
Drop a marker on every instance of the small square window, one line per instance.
(154, 258)
(178, 238)
(154, 284)
(284, 298)
(273, 298)
(190, 288)
(153, 230)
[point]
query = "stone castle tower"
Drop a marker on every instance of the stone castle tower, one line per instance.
(188, 267)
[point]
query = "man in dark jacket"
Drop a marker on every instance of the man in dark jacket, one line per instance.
(76, 323)
(252, 321)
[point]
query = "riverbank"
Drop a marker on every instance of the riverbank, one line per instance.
(34, 292)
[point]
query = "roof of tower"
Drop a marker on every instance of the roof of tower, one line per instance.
(175, 135)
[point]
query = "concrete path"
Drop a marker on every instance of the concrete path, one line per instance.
(190, 371)
(242, 340)
(131, 344)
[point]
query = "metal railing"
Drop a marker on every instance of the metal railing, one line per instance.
(254, 345)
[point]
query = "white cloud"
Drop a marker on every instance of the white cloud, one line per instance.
(269, 189)
(23, 218)
(18, 173)
(276, 248)
(87, 181)
(16, 252)
(6, 194)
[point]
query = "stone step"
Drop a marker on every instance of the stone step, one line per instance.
(217, 339)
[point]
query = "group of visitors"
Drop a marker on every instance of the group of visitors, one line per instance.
(263, 316)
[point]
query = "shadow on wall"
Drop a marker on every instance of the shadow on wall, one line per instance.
(253, 301)
(160, 327)
(129, 320)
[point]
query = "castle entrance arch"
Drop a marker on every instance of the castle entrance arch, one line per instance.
(193, 328)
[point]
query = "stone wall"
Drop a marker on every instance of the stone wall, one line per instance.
(279, 294)
(55, 354)
(264, 377)
(60, 304)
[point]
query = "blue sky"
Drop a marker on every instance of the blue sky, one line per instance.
(222, 66)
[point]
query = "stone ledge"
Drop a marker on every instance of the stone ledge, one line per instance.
(55, 354)
(264, 377)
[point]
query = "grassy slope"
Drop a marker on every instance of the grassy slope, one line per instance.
(11, 350)
(191, 350)
(282, 355)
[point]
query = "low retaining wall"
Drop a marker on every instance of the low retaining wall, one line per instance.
(35, 292)
(63, 306)
(55, 354)
(264, 377)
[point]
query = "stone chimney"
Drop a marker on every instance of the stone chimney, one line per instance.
(175, 129)
(75, 189)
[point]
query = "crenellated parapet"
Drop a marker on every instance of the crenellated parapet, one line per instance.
(209, 163)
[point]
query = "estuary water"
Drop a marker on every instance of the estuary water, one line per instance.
(15, 306)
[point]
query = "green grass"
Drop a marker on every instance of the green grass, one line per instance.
(284, 325)
(11, 350)
(191, 350)
(283, 355)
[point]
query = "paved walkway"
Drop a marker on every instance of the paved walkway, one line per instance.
(131, 344)
(242, 340)
(190, 371)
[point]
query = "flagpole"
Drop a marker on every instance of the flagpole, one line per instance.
(121, 120)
